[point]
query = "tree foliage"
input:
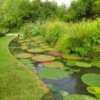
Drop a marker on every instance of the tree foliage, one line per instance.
(14, 12)
(86, 8)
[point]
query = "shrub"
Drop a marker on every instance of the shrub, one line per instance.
(86, 38)
(53, 30)
(30, 29)
(63, 43)
(3, 31)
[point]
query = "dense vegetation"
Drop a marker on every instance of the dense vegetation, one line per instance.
(15, 13)
(81, 38)
(73, 32)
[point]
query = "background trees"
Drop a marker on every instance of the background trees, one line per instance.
(15, 13)
(86, 8)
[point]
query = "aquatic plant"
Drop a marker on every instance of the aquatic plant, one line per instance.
(43, 58)
(72, 57)
(91, 79)
(23, 55)
(24, 47)
(78, 97)
(96, 64)
(54, 65)
(36, 50)
(94, 90)
(70, 63)
(58, 91)
(83, 64)
(53, 74)
(56, 54)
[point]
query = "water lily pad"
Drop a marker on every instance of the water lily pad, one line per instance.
(21, 41)
(94, 90)
(91, 79)
(23, 55)
(75, 70)
(70, 63)
(53, 74)
(83, 64)
(43, 58)
(96, 64)
(45, 46)
(24, 47)
(36, 50)
(63, 93)
(78, 97)
(72, 57)
(27, 40)
(54, 65)
(49, 49)
(23, 44)
(54, 53)
(26, 61)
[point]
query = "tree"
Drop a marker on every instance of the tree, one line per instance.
(96, 8)
(85, 8)
(14, 12)
(43, 10)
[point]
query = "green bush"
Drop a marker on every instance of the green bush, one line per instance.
(77, 38)
(3, 31)
(82, 39)
(72, 36)
(30, 29)
(86, 46)
(63, 43)
(53, 30)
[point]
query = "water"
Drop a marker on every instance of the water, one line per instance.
(71, 84)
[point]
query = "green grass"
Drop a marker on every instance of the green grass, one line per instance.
(17, 82)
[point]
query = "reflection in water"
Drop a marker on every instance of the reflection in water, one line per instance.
(67, 84)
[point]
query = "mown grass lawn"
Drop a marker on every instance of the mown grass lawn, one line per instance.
(17, 82)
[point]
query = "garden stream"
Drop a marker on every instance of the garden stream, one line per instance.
(68, 83)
